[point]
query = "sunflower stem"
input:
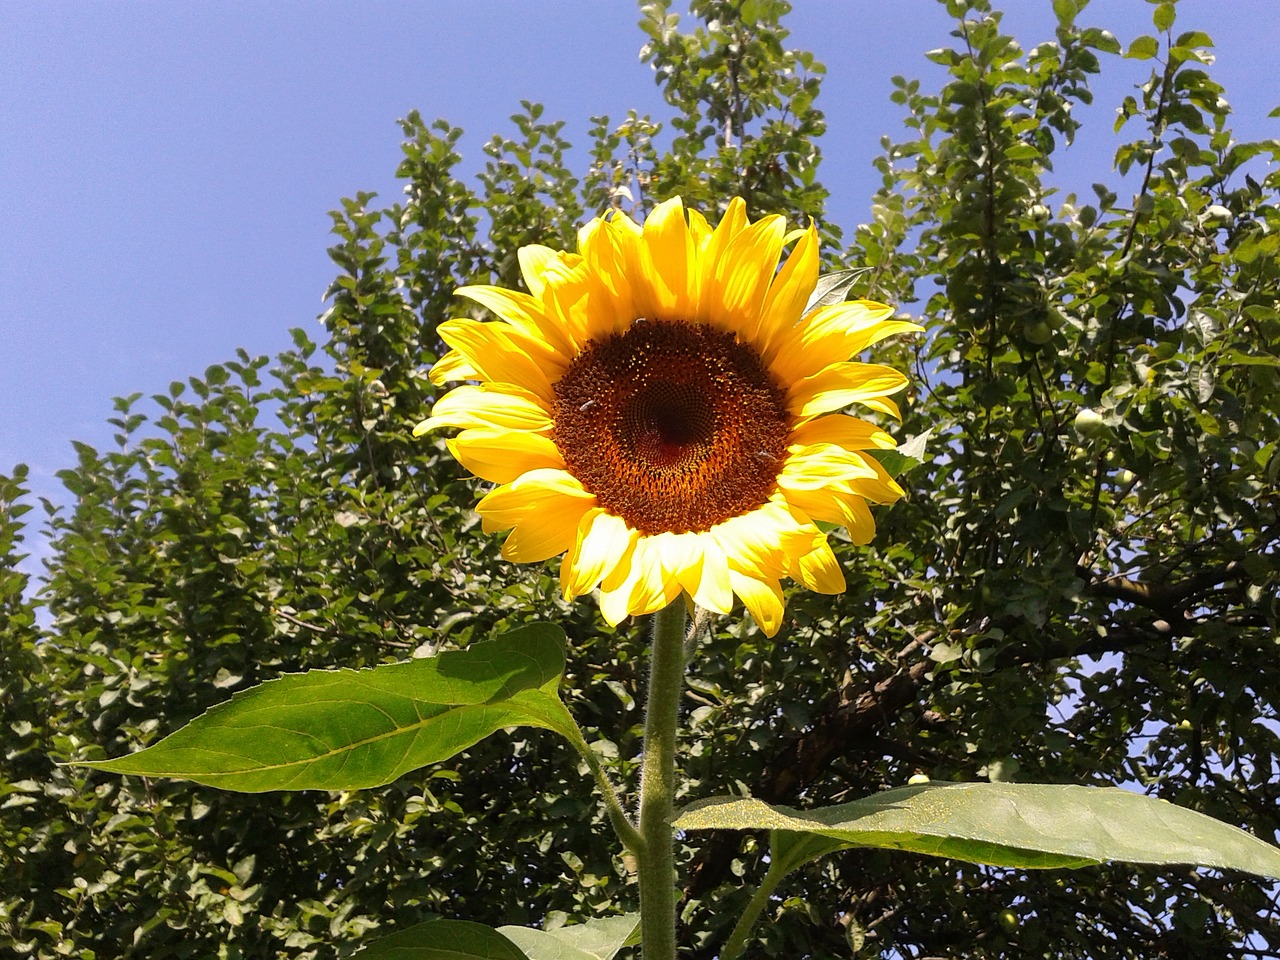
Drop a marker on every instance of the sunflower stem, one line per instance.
(624, 828)
(737, 941)
(658, 783)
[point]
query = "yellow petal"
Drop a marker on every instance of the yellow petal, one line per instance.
(763, 597)
(824, 496)
(827, 504)
(858, 520)
(627, 240)
(841, 384)
(501, 354)
(680, 558)
(605, 291)
(883, 489)
(819, 570)
(712, 249)
(488, 405)
(713, 590)
(613, 603)
(500, 456)
(646, 588)
(733, 222)
(788, 294)
(604, 541)
(756, 543)
(842, 430)
(697, 564)
(699, 229)
(452, 366)
(535, 260)
(743, 275)
(883, 405)
(834, 333)
(544, 507)
(669, 259)
(525, 313)
(821, 464)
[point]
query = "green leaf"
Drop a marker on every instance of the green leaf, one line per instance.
(906, 457)
(352, 729)
(1234, 358)
(1143, 48)
(1194, 38)
(1024, 825)
(1202, 325)
(593, 940)
(834, 287)
(1164, 16)
(443, 940)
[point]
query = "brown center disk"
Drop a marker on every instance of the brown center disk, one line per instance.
(674, 426)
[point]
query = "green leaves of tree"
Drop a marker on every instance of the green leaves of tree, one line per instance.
(278, 515)
(1024, 825)
(1143, 48)
(352, 729)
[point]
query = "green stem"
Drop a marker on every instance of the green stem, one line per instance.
(738, 939)
(656, 857)
(627, 833)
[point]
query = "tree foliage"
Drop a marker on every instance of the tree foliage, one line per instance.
(1081, 587)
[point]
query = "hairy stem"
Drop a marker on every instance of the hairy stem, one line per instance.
(657, 786)
(626, 831)
(738, 939)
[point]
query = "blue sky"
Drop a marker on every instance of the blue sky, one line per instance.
(168, 167)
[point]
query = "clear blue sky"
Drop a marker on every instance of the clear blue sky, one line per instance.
(166, 168)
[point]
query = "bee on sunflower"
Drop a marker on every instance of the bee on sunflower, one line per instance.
(661, 409)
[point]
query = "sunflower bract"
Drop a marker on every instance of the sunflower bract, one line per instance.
(660, 410)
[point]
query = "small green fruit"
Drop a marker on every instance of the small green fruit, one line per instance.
(1089, 424)
(1008, 919)
(1037, 332)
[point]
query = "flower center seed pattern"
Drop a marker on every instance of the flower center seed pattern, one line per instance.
(674, 426)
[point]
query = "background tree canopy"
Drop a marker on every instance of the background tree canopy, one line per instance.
(1081, 587)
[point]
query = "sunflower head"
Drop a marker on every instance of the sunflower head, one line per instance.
(660, 409)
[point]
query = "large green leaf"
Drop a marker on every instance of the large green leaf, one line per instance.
(594, 940)
(443, 940)
(1002, 824)
(459, 939)
(351, 729)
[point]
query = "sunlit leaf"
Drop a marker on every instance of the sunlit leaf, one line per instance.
(352, 729)
(1143, 48)
(906, 456)
(593, 940)
(1000, 824)
(834, 288)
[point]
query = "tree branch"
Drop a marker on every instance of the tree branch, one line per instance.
(858, 713)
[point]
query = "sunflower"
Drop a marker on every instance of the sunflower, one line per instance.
(660, 409)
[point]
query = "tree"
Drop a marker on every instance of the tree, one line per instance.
(1080, 587)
